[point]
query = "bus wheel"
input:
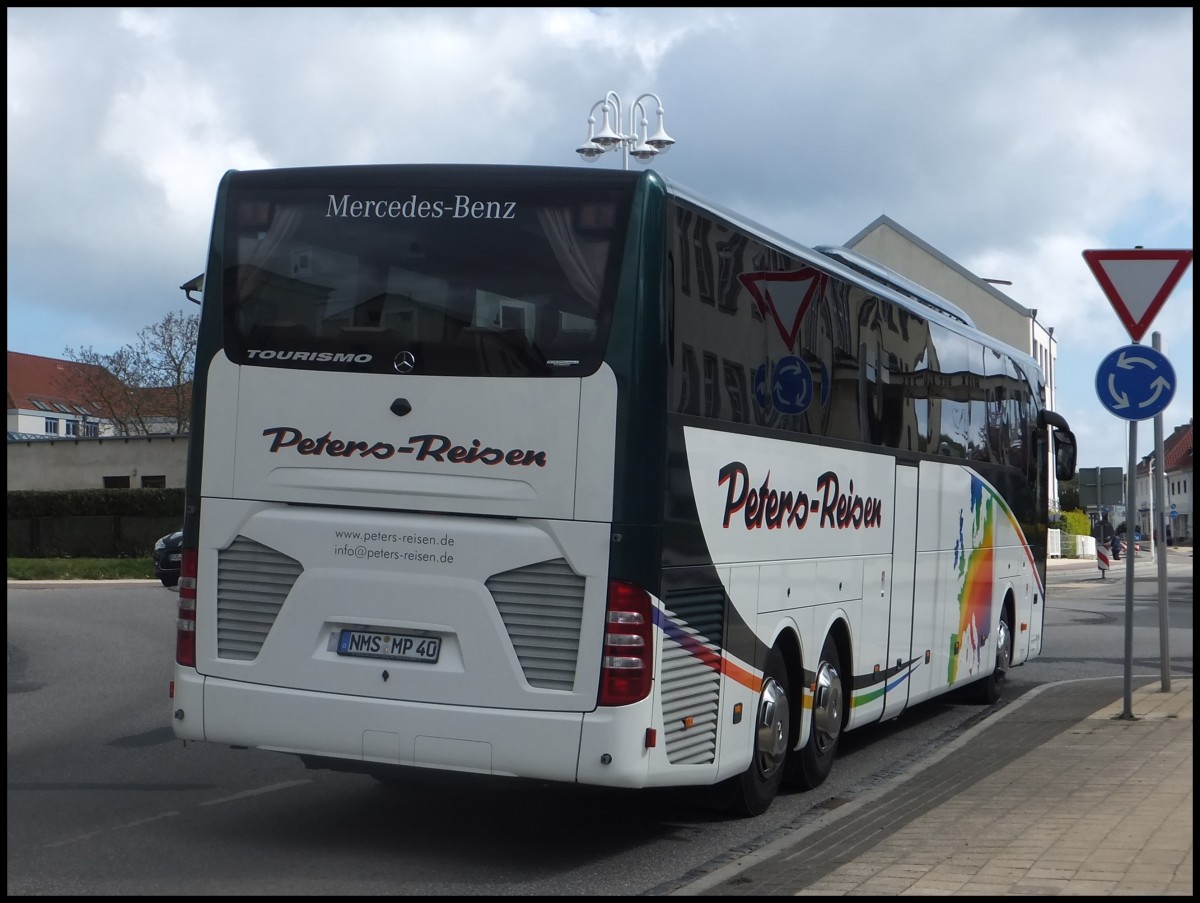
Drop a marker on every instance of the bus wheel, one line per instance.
(987, 691)
(810, 766)
(755, 788)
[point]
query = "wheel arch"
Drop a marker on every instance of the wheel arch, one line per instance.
(801, 676)
(1008, 608)
(840, 631)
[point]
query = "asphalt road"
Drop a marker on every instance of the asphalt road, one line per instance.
(103, 800)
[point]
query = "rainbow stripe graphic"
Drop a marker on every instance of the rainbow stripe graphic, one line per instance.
(974, 559)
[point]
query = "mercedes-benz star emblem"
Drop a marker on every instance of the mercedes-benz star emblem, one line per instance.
(404, 362)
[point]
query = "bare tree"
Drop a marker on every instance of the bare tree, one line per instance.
(146, 387)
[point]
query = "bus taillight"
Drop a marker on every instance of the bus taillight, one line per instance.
(628, 659)
(185, 623)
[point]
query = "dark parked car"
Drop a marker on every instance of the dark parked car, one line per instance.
(166, 558)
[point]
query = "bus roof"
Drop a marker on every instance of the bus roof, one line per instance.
(888, 276)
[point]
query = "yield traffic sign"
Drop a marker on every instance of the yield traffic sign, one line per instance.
(1137, 282)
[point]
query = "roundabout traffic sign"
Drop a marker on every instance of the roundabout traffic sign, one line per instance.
(1135, 382)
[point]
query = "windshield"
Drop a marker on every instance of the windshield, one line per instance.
(422, 278)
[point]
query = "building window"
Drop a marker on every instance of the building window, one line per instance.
(91, 430)
(154, 482)
(72, 427)
(52, 425)
(116, 482)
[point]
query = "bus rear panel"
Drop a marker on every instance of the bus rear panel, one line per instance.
(401, 503)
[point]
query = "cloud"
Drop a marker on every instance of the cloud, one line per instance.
(1009, 138)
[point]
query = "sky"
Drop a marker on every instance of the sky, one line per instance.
(1010, 139)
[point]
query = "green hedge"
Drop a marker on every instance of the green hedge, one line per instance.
(96, 502)
(1076, 523)
(91, 523)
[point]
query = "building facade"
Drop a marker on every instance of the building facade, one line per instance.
(1175, 487)
(49, 398)
(60, 438)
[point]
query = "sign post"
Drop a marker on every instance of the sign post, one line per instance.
(1136, 385)
(1158, 537)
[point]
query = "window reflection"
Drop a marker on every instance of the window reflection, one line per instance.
(788, 346)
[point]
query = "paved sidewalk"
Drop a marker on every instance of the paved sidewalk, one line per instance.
(1145, 565)
(1100, 806)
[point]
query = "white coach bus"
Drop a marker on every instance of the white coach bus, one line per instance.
(575, 476)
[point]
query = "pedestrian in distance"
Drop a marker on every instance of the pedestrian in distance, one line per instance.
(1116, 547)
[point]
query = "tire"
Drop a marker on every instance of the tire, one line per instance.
(988, 690)
(810, 766)
(169, 581)
(755, 789)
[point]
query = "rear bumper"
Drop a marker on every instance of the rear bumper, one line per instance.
(540, 745)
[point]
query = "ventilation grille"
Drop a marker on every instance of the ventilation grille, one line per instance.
(252, 583)
(542, 609)
(691, 687)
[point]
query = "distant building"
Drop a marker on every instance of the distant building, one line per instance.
(1177, 469)
(51, 399)
(60, 437)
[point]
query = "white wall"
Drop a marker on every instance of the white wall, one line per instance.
(84, 463)
(1181, 481)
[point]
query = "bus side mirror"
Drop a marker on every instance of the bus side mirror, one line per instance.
(1065, 451)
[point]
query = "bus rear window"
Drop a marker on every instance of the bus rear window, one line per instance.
(503, 282)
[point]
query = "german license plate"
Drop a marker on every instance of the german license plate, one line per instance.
(402, 647)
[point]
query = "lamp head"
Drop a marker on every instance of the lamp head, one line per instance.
(643, 152)
(660, 140)
(590, 151)
(606, 137)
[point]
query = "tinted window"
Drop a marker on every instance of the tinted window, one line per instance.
(764, 338)
(422, 279)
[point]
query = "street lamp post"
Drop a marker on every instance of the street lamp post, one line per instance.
(642, 145)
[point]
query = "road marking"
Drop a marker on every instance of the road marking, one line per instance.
(270, 788)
